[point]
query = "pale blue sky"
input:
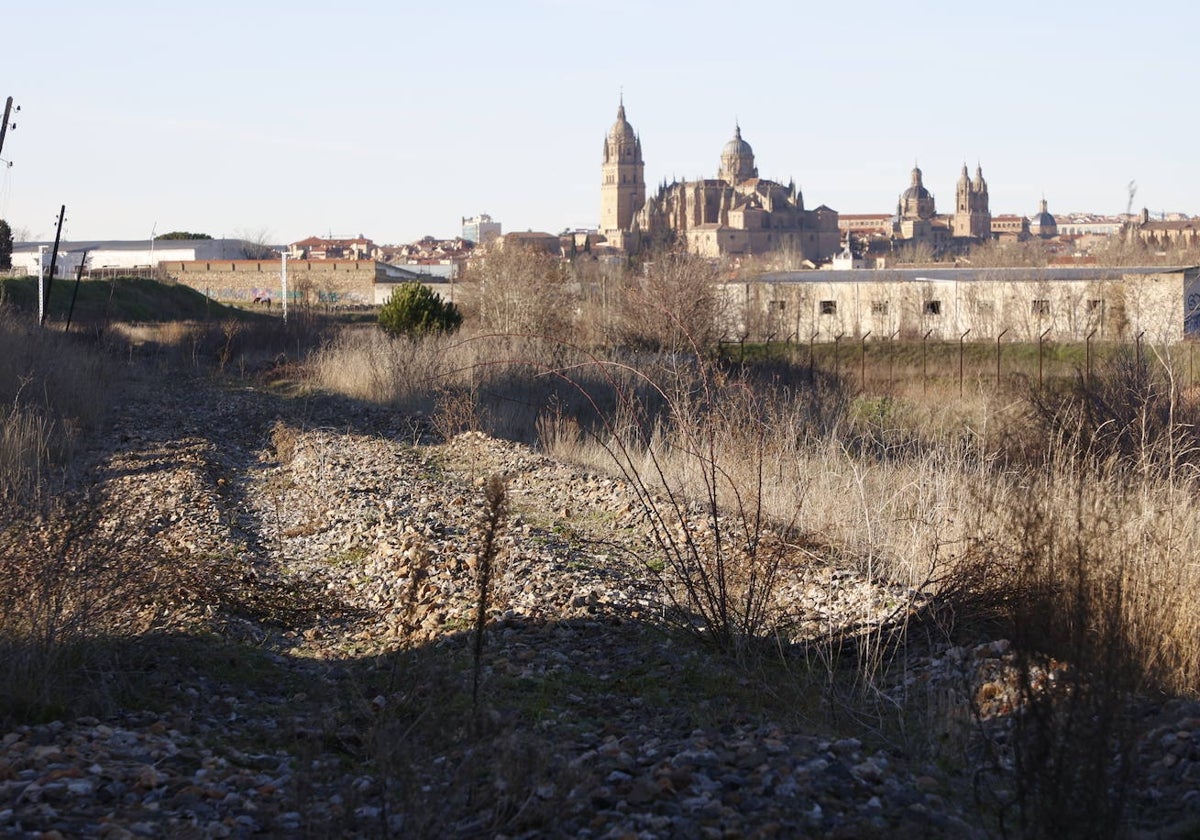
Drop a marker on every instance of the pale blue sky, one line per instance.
(396, 119)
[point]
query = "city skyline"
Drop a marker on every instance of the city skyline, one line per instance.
(397, 122)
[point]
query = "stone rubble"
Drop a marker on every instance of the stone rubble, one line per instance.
(374, 539)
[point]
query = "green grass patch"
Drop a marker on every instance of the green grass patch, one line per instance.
(130, 299)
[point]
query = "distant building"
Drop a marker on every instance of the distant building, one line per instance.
(1160, 233)
(1043, 225)
(1068, 304)
(736, 213)
(431, 257)
(1089, 224)
(864, 225)
(317, 248)
(1010, 228)
(117, 256)
(480, 229)
(918, 223)
(972, 216)
(531, 240)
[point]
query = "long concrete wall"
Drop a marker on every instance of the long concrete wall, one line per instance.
(1159, 307)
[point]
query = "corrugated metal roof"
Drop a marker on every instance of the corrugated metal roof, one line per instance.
(963, 275)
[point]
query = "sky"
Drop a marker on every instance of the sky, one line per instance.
(277, 121)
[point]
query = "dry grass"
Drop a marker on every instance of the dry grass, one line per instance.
(74, 576)
(914, 487)
(52, 387)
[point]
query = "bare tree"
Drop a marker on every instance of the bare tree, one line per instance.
(256, 244)
(674, 304)
(516, 289)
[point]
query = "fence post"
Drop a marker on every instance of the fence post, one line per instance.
(1088, 375)
(863, 362)
(811, 370)
(892, 359)
(924, 363)
(1041, 340)
(1002, 332)
(960, 364)
(837, 346)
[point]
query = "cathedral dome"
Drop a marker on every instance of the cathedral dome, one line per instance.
(917, 191)
(1043, 222)
(737, 159)
(916, 202)
(737, 146)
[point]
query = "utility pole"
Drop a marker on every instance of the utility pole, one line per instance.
(62, 214)
(8, 108)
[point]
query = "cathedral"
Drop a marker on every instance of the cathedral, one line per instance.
(918, 222)
(735, 214)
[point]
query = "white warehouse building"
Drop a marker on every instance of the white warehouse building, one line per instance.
(116, 255)
(1018, 304)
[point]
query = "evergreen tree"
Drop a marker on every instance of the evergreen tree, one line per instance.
(415, 310)
(6, 246)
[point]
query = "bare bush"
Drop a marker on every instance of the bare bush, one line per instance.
(673, 305)
(1130, 410)
(519, 291)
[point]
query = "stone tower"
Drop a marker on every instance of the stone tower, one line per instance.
(623, 185)
(737, 159)
(972, 218)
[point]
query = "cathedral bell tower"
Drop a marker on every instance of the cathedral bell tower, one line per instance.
(622, 182)
(972, 217)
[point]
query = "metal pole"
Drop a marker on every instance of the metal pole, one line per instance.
(1088, 380)
(1002, 332)
(924, 363)
(960, 363)
(837, 339)
(863, 360)
(75, 293)
(892, 359)
(1041, 340)
(811, 369)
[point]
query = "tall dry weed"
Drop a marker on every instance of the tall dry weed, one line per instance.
(74, 575)
(52, 388)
